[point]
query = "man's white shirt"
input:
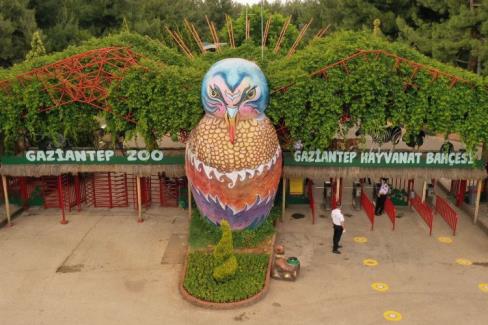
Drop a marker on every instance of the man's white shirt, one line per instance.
(337, 217)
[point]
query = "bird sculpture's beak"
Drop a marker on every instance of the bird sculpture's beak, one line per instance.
(231, 119)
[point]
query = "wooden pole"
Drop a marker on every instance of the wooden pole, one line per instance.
(189, 200)
(283, 200)
(230, 31)
(139, 200)
(282, 34)
(5, 194)
(194, 33)
(298, 39)
(424, 191)
(266, 32)
(477, 206)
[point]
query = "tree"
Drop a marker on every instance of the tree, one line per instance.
(37, 46)
(17, 24)
(450, 31)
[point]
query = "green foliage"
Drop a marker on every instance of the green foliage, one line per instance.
(203, 233)
(162, 93)
(247, 282)
(373, 91)
(17, 24)
(254, 14)
(224, 249)
(225, 271)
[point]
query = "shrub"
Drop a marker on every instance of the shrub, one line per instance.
(226, 270)
(224, 255)
(224, 249)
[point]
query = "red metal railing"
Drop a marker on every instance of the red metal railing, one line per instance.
(447, 213)
(58, 193)
(390, 211)
(146, 197)
(167, 190)
(424, 211)
(109, 190)
(368, 208)
(311, 199)
(333, 193)
(461, 190)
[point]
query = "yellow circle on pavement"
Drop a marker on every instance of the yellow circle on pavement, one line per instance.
(361, 240)
(483, 287)
(392, 315)
(445, 240)
(380, 286)
(370, 262)
(464, 261)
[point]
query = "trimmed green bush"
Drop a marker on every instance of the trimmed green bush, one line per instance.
(224, 255)
(226, 270)
(224, 249)
(247, 282)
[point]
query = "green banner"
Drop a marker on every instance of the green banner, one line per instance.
(93, 157)
(383, 159)
(316, 158)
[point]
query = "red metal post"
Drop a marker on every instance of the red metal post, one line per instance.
(311, 199)
(23, 192)
(390, 211)
(333, 185)
(94, 193)
(368, 207)
(340, 190)
(460, 192)
(77, 192)
(61, 200)
(110, 203)
(126, 190)
(162, 187)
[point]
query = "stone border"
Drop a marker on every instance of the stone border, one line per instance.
(225, 305)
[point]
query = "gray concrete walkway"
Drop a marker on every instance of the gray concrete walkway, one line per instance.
(104, 268)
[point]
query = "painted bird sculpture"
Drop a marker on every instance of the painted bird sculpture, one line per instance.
(233, 157)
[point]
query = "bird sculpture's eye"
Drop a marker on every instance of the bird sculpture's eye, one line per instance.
(251, 93)
(213, 93)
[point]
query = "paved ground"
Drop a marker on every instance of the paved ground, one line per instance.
(104, 268)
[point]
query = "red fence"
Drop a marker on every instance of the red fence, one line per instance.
(311, 199)
(447, 213)
(424, 211)
(390, 211)
(99, 190)
(368, 208)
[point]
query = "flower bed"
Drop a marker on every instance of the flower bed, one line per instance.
(249, 279)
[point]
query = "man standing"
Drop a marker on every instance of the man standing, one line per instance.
(380, 200)
(338, 224)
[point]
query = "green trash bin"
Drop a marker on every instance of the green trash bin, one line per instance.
(183, 198)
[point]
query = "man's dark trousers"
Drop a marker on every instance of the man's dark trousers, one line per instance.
(337, 236)
(380, 204)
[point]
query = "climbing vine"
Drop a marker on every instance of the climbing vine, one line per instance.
(161, 94)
